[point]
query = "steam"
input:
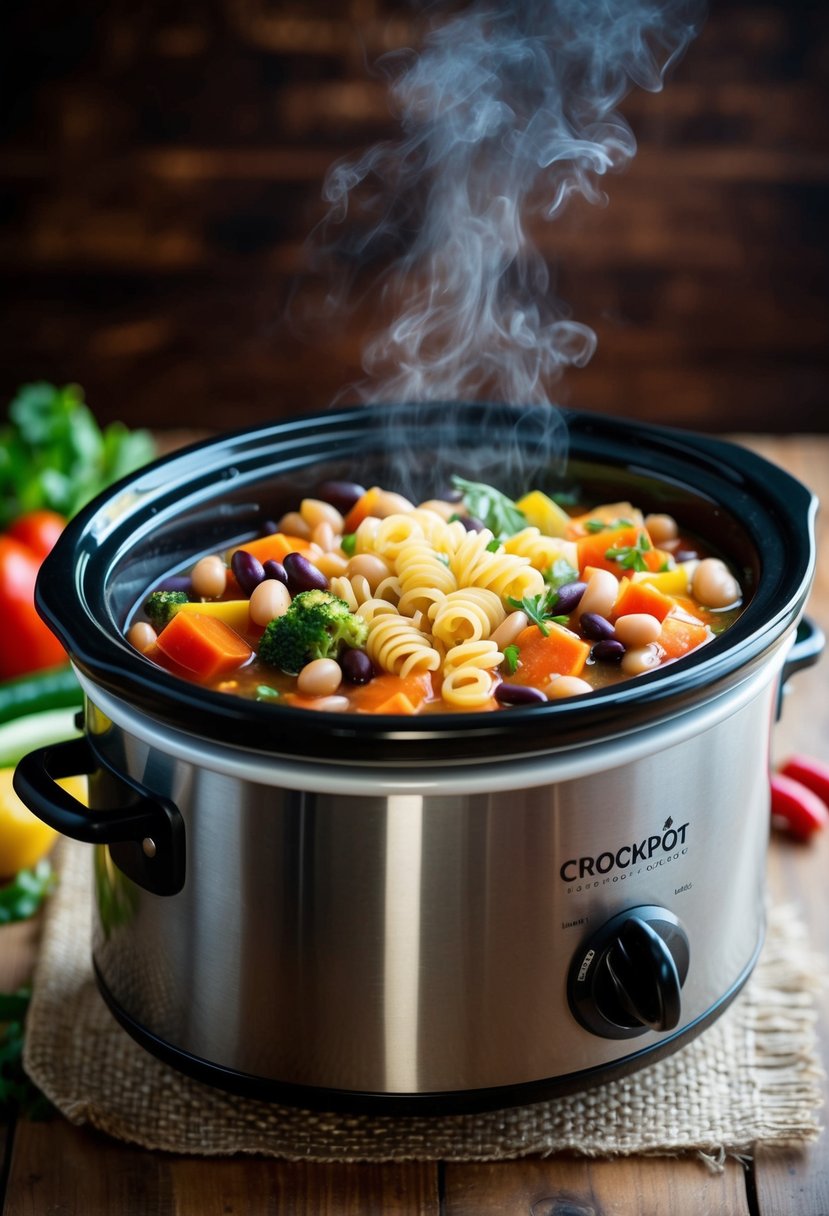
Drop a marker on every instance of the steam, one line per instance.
(505, 113)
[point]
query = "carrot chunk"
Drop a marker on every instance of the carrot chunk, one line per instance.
(560, 653)
(277, 546)
(623, 541)
(642, 597)
(203, 645)
(679, 636)
(380, 695)
(362, 508)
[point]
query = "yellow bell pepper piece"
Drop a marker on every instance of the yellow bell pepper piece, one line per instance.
(670, 582)
(544, 514)
(235, 613)
(24, 838)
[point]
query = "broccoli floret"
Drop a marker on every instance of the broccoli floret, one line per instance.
(161, 606)
(316, 626)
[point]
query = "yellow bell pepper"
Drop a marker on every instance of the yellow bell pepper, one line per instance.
(544, 514)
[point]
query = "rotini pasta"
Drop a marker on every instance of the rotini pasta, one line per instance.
(542, 551)
(396, 645)
(469, 614)
(507, 574)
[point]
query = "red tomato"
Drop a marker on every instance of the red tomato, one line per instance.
(38, 531)
(25, 642)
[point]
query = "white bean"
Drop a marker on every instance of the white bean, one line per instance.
(142, 636)
(444, 509)
(600, 593)
(639, 660)
(331, 705)
(324, 536)
(372, 568)
(332, 565)
(209, 577)
(388, 503)
(661, 528)
(714, 585)
(294, 525)
(319, 678)
(567, 686)
(315, 512)
(638, 628)
(509, 629)
(268, 600)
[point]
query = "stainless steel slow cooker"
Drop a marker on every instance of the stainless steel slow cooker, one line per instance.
(443, 912)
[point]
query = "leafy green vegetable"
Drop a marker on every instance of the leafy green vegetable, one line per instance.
(601, 525)
(264, 692)
(494, 509)
(17, 1093)
(511, 654)
(21, 898)
(537, 608)
(560, 574)
(494, 545)
(630, 557)
(53, 454)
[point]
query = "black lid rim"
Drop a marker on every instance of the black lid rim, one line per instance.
(742, 483)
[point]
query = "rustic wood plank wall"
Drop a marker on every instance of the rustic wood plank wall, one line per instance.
(161, 166)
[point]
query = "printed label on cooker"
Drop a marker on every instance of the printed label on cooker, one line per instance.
(630, 859)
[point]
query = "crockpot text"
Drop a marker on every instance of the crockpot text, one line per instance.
(625, 857)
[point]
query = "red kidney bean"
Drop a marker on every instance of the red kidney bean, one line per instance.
(518, 694)
(303, 575)
(472, 523)
(269, 527)
(274, 569)
(567, 598)
(596, 627)
(608, 650)
(357, 667)
(248, 570)
(341, 494)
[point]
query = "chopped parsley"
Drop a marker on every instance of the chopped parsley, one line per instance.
(560, 573)
(631, 557)
(537, 608)
(511, 654)
(494, 509)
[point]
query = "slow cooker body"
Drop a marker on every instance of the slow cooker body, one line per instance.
(440, 912)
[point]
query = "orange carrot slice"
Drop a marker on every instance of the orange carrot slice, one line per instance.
(642, 597)
(679, 637)
(560, 653)
(362, 508)
(277, 546)
(380, 694)
(593, 549)
(202, 644)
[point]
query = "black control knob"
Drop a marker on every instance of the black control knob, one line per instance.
(627, 977)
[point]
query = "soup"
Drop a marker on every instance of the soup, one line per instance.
(362, 601)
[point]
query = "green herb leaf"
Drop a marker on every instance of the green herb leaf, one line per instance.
(494, 545)
(533, 605)
(21, 898)
(559, 574)
(511, 654)
(17, 1093)
(348, 544)
(264, 692)
(630, 557)
(494, 509)
(53, 454)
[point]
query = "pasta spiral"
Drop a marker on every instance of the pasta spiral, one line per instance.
(542, 551)
(395, 644)
(469, 614)
(467, 678)
(424, 578)
(507, 574)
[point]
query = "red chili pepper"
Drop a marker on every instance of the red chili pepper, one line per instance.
(812, 773)
(799, 808)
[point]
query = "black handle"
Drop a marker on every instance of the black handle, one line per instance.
(644, 976)
(807, 648)
(145, 832)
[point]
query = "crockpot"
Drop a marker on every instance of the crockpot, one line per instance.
(441, 912)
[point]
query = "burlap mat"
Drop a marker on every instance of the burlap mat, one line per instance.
(753, 1076)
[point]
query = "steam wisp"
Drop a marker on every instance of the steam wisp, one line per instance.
(505, 112)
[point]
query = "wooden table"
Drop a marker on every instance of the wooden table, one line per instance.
(53, 1168)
